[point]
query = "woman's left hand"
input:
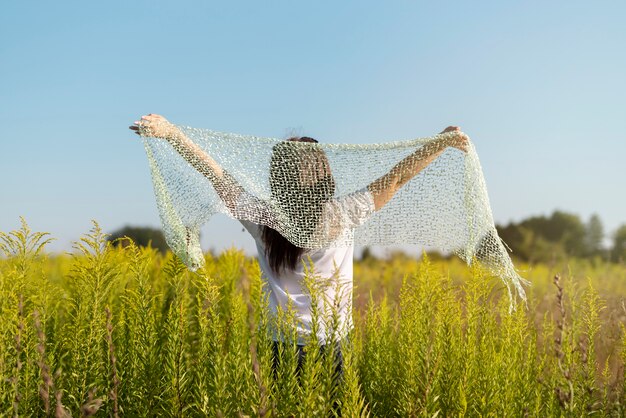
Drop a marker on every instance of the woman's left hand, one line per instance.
(459, 141)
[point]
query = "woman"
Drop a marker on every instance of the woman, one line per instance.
(303, 209)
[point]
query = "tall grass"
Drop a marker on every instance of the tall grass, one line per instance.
(127, 331)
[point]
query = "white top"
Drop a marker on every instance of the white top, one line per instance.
(332, 268)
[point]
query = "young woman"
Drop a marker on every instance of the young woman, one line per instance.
(303, 193)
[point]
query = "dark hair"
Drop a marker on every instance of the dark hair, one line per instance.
(291, 163)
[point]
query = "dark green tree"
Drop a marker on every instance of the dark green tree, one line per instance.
(542, 238)
(142, 236)
(529, 244)
(594, 235)
(567, 229)
(618, 252)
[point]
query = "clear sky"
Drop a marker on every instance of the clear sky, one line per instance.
(540, 86)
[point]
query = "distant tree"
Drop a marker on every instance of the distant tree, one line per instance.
(514, 238)
(594, 235)
(529, 245)
(367, 254)
(142, 236)
(618, 252)
(542, 238)
(569, 230)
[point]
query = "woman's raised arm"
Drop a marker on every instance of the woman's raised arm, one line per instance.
(385, 187)
(158, 127)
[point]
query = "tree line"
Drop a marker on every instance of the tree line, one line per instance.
(562, 234)
(535, 239)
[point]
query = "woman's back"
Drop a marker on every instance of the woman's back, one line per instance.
(330, 270)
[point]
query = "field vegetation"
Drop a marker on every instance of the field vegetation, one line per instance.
(128, 331)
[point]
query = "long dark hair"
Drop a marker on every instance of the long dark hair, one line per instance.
(296, 171)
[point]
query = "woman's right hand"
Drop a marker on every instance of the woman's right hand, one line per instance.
(153, 125)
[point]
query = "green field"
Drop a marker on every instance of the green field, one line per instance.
(130, 332)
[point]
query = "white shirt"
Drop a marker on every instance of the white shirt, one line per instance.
(332, 269)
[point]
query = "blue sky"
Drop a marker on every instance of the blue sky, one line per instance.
(539, 86)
